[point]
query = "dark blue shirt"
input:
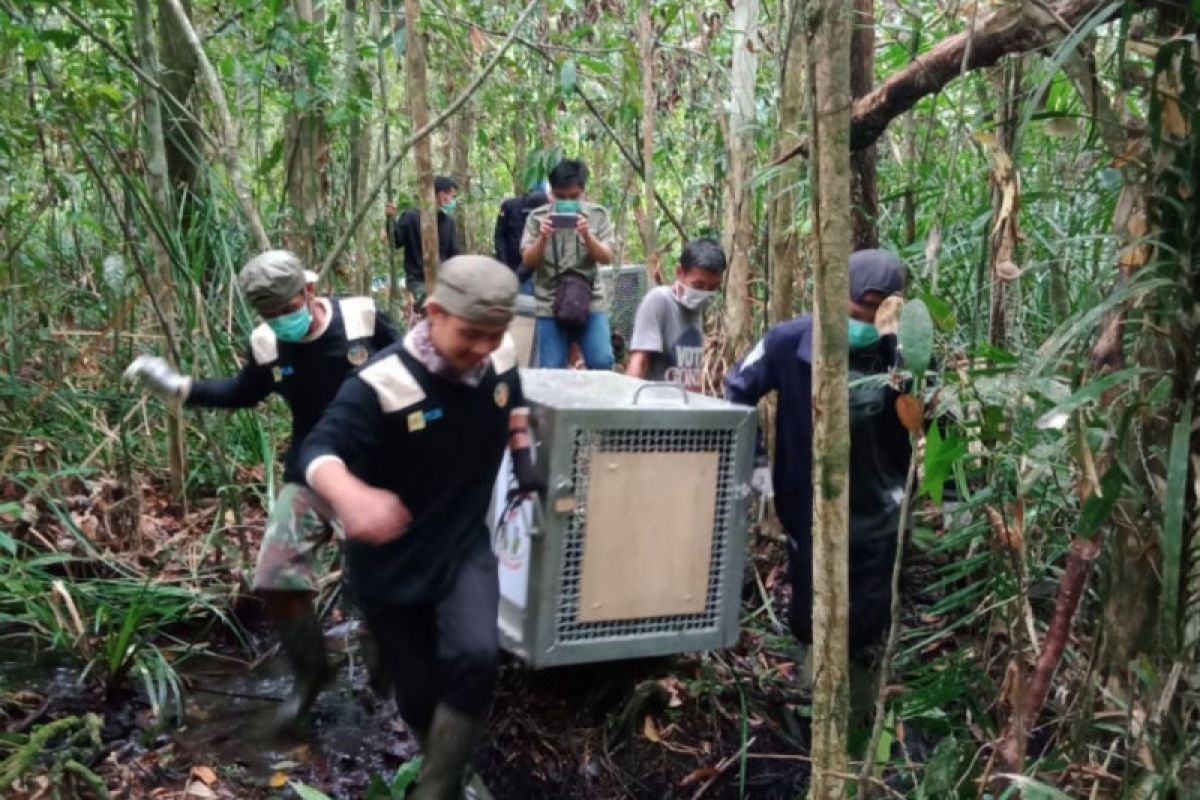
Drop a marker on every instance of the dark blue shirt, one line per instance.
(879, 444)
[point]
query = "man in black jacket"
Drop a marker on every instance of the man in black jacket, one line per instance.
(407, 457)
(406, 234)
(303, 350)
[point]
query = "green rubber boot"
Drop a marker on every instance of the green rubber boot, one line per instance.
(444, 772)
(303, 642)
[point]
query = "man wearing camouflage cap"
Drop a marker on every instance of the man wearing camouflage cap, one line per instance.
(406, 456)
(303, 350)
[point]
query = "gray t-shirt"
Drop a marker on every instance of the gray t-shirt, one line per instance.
(675, 337)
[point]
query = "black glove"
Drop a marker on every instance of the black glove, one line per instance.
(529, 478)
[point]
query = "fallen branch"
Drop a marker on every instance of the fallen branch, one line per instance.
(1014, 28)
(1079, 562)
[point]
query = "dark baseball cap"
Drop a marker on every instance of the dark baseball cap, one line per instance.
(875, 271)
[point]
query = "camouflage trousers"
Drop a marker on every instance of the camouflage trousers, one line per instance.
(289, 558)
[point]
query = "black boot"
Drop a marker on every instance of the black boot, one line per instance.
(448, 748)
(303, 642)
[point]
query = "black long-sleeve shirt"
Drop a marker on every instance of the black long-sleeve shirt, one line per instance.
(406, 234)
(437, 445)
(306, 374)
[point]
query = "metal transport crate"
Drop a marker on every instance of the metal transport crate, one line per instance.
(624, 287)
(639, 545)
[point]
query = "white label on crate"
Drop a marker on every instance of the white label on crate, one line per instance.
(510, 538)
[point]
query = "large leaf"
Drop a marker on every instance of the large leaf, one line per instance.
(567, 76)
(940, 456)
(307, 792)
(1172, 529)
(1099, 507)
(916, 337)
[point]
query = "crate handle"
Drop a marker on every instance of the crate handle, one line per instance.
(660, 385)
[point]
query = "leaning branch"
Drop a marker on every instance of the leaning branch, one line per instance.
(228, 147)
(1015, 28)
(449, 111)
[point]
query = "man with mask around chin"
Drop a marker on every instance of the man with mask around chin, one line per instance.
(668, 332)
(879, 450)
(407, 456)
(303, 350)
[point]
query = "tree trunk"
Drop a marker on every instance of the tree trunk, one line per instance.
(158, 182)
(649, 101)
(864, 190)
(1006, 203)
(307, 148)
(739, 217)
(462, 130)
(786, 265)
(228, 136)
(177, 75)
(1161, 227)
(829, 49)
(358, 85)
(418, 111)
(386, 152)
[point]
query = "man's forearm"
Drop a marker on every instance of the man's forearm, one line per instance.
(535, 254)
(328, 477)
(518, 429)
(598, 250)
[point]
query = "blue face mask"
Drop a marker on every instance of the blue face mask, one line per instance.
(862, 334)
(292, 327)
(450, 206)
(568, 206)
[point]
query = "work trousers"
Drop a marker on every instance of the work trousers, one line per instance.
(446, 651)
(870, 591)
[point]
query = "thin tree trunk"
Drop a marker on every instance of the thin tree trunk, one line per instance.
(158, 182)
(864, 189)
(228, 135)
(358, 84)
(418, 110)
(462, 130)
(307, 147)
(829, 48)
(739, 217)
(649, 101)
(786, 265)
(1006, 202)
(381, 70)
(177, 76)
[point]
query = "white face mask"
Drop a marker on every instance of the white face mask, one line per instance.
(693, 299)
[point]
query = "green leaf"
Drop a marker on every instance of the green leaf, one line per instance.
(8, 543)
(567, 77)
(942, 312)
(940, 457)
(405, 777)
(916, 337)
(596, 65)
(307, 792)
(1172, 529)
(942, 769)
(1099, 507)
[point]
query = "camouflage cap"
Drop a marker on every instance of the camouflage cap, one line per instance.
(271, 279)
(478, 289)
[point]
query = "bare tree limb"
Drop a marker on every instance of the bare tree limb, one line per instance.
(361, 212)
(1015, 28)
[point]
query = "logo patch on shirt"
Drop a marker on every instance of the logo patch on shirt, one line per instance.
(500, 395)
(357, 355)
(278, 372)
(416, 421)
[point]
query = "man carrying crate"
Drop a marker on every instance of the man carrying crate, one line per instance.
(406, 456)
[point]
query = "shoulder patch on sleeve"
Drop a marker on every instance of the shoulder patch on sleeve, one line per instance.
(263, 345)
(394, 385)
(505, 356)
(358, 315)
